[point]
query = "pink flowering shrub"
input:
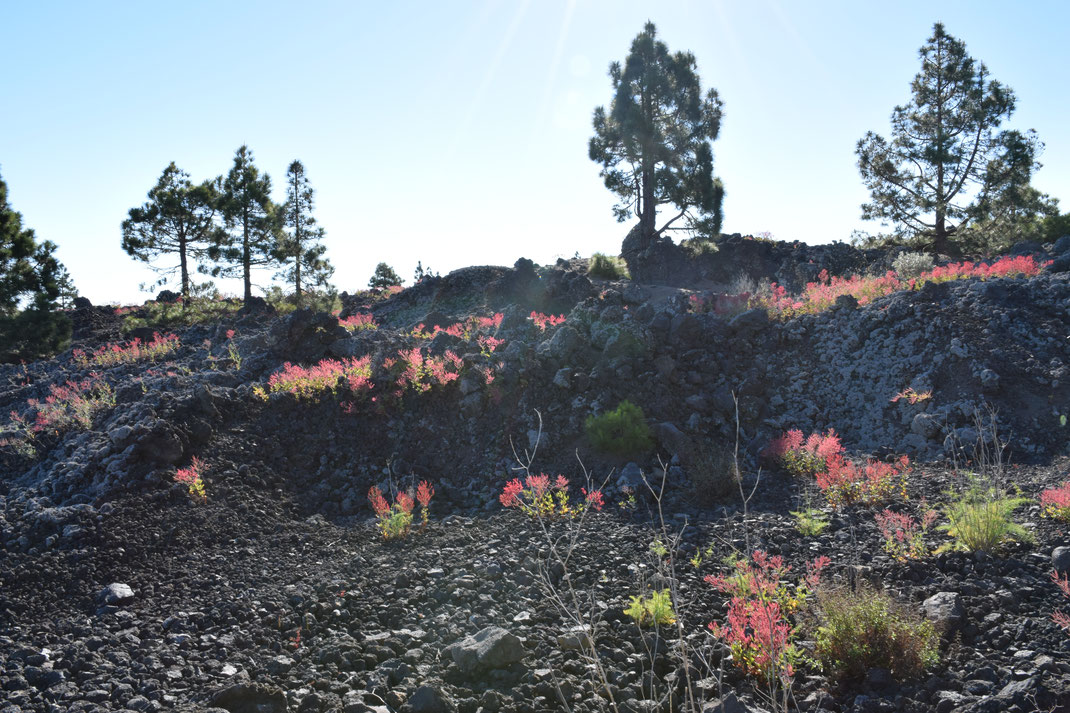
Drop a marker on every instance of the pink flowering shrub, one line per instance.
(803, 457)
(328, 375)
(462, 330)
(191, 478)
(1061, 618)
(537, 497)
(904, 537)
(758, 629)
(358, 322)
(70, 405)
(843, 482)
(395, 521)
(419, 371)
(911, 396)
(821, 295)
(542, 321)
(132, 351)
(1055, 502)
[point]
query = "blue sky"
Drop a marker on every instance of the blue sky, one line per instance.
(456, 133)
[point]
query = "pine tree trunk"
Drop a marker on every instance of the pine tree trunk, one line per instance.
(185, 267)
(246, 258)
(941, 243)
(297, 254)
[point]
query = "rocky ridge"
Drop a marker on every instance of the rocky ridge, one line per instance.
(277, 594)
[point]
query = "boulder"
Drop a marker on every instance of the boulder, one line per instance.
(116, 594)
(491, 648)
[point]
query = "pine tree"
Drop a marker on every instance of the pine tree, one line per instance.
(654, 143)
(253, 220)
(383, 277)
(32, 280)
(300, 251)
(179, 219)
(946, 172)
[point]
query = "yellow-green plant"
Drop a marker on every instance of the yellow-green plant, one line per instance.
(655, 610)
(979, 520)
(810, 522)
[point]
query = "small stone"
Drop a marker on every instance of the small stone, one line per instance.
(944, 610)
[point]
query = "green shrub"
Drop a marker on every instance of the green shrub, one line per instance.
(172, 315)
(607, 267)
(909, 265)
(810, 522)
(979, 520)
(622, 432)
(655, 610)
(867, 629)
(33, 334)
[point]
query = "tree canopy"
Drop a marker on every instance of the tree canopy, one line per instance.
(384, 276)
(946, 179)
(254, 223)
(654, 143)
(32, 281)
(179, 219)
(300, 250)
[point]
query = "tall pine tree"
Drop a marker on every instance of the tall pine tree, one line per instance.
(654, 143)
(179, 219)
(946, 172)
(300, 251)
(253, 222)
(32, 281)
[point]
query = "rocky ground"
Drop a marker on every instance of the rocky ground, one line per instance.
(120, 592)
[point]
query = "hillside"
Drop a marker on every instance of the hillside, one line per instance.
(122, 590)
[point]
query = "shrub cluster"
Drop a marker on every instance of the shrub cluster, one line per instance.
(867, 629)
(910, 265)
(395, 521)
(537, 497)
(842, 481)
(70, 405)
(608, 267)
(622, 431)
(822, 295)
(979, 519)
(191, 478)
(129, 353)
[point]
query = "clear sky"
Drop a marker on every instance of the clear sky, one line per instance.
(456, 132)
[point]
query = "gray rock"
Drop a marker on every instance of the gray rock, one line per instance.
(491, 648)
(989, 379)
(631, 476)
(685, 330)
(565, 342)
(750, 321)
(727, 703)
(279, 664)
(116, 594)
(427, 699)
(944, 610)
(250, 697)
(1060, 559)
(563, 378)
(926, 425)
